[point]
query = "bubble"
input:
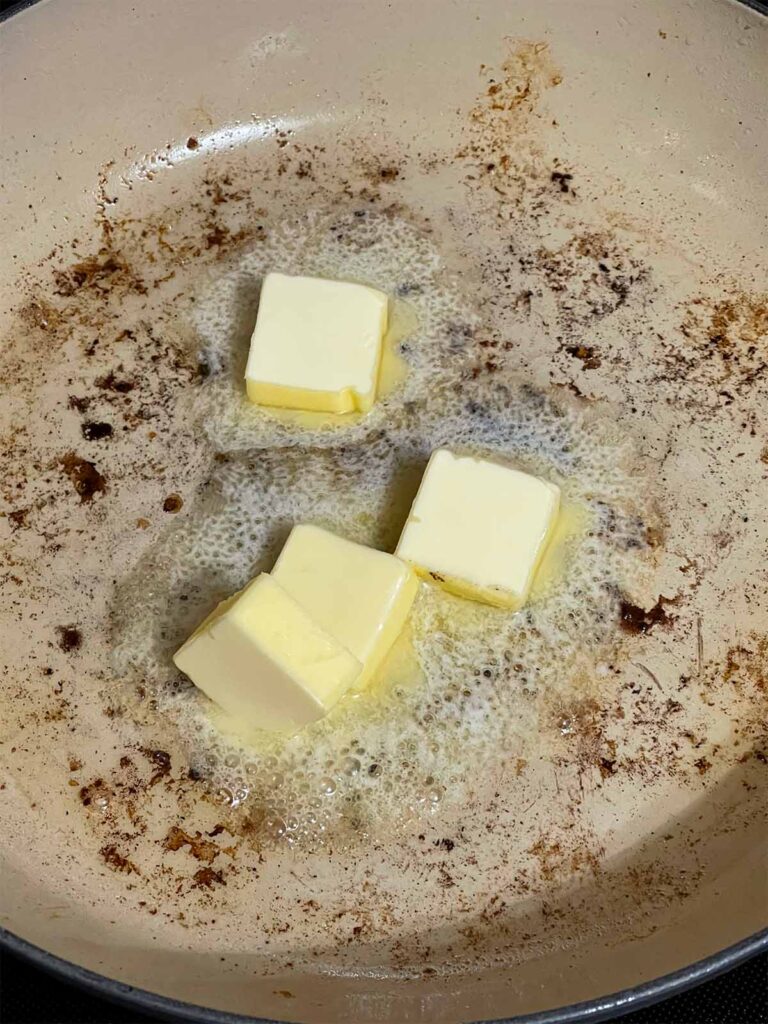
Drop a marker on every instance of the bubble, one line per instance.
(327, 786)
(275, 825)
(350, 766)
(434, 795)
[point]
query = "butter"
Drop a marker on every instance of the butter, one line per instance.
(265, 661)
(316, 345)
(479, 529)
(360, 596)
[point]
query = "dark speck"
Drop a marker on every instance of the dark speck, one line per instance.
(70, 638)
(589, 356)
(18, 518)
(404, 290)
(84, 476)
(563, 180)
(192, 142)
(96, 431)
(173, 503)
(112, 383)
(638, 620)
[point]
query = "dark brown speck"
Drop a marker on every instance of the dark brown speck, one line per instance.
(96, 431)
(637, 620)
(85, 478)
(70, 638)
(173, 503)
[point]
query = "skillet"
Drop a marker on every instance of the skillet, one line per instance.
(531, 144)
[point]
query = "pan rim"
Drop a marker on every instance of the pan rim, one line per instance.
(615, 1004)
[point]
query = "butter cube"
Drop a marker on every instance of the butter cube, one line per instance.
(316, 345)
(479, 528)
(262, 658)
(360, 596)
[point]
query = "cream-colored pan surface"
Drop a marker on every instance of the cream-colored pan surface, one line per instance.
(568, 203)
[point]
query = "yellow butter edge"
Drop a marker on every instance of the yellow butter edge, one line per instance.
(499, 597)
(410, 589)
(284, 396)
(223, 607)
(346, 400)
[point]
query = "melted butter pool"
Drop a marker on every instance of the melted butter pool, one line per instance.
(458, 694)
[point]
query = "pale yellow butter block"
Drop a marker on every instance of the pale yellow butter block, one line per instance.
(360, 596)
(262, 658)
(317, 344)
(478, 528)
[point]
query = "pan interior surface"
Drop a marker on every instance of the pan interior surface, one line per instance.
(568, 213)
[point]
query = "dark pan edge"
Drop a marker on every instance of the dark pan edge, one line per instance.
(613, 1005)
(16, 8)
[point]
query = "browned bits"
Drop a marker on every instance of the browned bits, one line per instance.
(78, 404)
(637, 620)
(18, 518)
(96, 431)
(84, 476)
(98, 274)
(562, 180)
(70, 638)
(206, 878)
(173, 503)
(96, 790)
(161, 760)
(589, 356)
(728, 336)
(200, 849)
(192, 142)
(111, 382)
(117, 861)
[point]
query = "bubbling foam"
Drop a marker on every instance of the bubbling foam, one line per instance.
(382, 251)
(460, 693)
